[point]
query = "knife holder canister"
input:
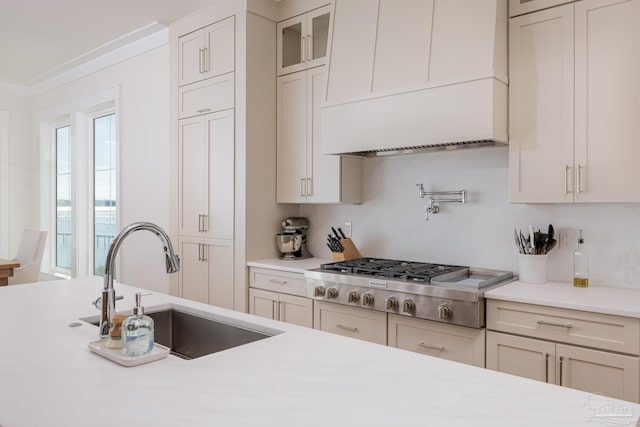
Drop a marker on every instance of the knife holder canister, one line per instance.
(350, 251)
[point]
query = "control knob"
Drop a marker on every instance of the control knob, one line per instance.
(318, 291)
(444, 310)
(391, 303)
(332, 293)
(353, 296)
(367, 299)
(408, 306)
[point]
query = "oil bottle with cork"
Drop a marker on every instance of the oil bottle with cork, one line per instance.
(580, 265)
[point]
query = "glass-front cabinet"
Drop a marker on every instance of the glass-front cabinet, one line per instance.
(302, 41)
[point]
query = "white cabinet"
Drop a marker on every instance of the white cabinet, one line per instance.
(550, 344)
(574, 103)
(302, 41)
(304, 175)
(282, 307)
(208, 52)
(350, 322)
(280, 295)
(207, 96)
(206, 175)
(205, 275)
(451, 342)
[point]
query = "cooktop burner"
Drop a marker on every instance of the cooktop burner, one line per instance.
(415, 271)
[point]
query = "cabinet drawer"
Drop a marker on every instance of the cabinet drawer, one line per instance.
(207, 96)
(457, 343)
(608, 332)
(278, 281)
(350, 322)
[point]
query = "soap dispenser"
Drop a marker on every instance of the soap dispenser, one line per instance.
(137, 331)
(580, 265)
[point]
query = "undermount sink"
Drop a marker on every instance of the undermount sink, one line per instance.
(190, 335)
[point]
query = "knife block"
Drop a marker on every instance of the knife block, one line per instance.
(350, 251)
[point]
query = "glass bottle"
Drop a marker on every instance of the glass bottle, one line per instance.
(580, 265)
(137, 331)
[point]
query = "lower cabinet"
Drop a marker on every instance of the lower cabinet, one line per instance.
(351, 322)
(206, 273)
(451, 342)
(611, 374)
(593, 352)
(282, 307)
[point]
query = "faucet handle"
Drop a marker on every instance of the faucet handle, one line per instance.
(98, 302)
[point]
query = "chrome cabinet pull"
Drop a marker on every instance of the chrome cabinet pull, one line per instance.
(560, 325)
(199, 251)
(205, 61)
(435, 347)
(309, 187)
(566, 179)
(280, 282)
(578, 179)
(275, 311)
(199, 223)
(204, 252)
(546, 367)
(309, 47)
(281, 313)
(348, 328)
(303, 191)
(561, 362)
(203, 110)
(201, 60)
(205, 223)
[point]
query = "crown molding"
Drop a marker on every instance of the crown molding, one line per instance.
(132, 44)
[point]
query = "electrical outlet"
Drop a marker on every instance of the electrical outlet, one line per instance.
(567, 239)
(347, 228)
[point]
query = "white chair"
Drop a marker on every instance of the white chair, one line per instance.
(29, 256)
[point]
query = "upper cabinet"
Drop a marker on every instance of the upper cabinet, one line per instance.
(302, 41)
(519, 7)
(575, 104)
(207, 52)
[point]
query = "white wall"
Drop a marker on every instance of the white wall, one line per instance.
(143, 82)
(22, 161)
(391, 222)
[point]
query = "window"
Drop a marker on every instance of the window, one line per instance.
(104, 189)
(63, 198)
(79, 183)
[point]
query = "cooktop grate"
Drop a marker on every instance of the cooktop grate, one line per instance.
(409, 270)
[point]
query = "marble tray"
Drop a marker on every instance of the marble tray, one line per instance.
(100, 347)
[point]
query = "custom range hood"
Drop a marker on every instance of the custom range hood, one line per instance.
(409, 77)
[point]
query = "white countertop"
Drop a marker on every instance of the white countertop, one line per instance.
(301, 377)
(292, 266)
(598, 299)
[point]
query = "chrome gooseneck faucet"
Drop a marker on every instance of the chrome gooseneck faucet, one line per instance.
(109, 293)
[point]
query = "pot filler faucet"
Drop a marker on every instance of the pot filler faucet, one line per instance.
(109, 293)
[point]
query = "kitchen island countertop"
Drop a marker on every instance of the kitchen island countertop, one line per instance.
(301, 377)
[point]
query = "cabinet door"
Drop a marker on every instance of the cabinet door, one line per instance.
(525, 357)
(291, 132)
(291, 45)
(317, 36)
(221, 156)
(323, 170)
(351, 322)
(193, 270)
(541, 106)
(190, 57)
(451, 342)
(607, 140)
(219, 53)
(192, 179)
(518, 7)
(594, 371)
(219, 261)
(263, 303)
(352, 51)
(295, 310)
